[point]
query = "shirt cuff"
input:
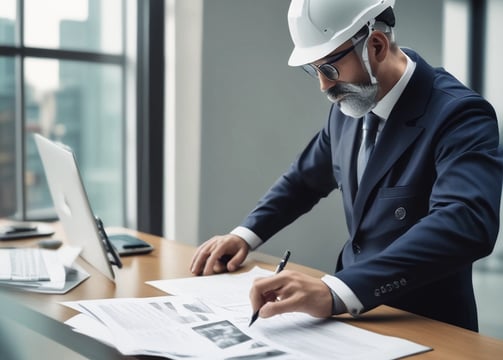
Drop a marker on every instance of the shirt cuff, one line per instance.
(344, 293)
(338, 306)
(249, 236)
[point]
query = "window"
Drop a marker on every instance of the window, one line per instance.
(455, 38)
(63, 74)
(473, 52)
(493, 74)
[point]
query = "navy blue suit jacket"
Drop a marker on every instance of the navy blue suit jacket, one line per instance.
(427, 206)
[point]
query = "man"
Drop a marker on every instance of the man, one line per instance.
(415, 155)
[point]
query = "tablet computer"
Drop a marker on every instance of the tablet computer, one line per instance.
(126, 244)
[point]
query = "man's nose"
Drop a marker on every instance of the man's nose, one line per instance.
(325, 83)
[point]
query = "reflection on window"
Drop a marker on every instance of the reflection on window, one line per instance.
(87, 25)
(493, 79)
(456, 35)
(69, 68)
(7, 142)
(78, 104)
(7, 21)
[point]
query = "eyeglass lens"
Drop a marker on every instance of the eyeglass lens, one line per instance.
(327, 69)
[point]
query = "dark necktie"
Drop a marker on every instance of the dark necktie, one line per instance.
(370, 124)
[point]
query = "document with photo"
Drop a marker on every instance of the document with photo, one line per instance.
(181, 327)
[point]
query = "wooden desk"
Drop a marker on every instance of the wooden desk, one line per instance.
(171, 260)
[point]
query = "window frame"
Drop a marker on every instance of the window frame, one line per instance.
(477, 54)
(142, 63)
(150, 116)
(20, 52)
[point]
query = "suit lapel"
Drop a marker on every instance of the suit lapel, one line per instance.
(402, 128)
(394, 141)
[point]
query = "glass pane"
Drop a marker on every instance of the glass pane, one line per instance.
(7, 22)
(456, 38)
(7, 142)
(488, 281)
(79, 104)
(86, 25)
(493, 78)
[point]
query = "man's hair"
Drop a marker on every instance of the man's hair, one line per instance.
(387, 17)
(385, 22)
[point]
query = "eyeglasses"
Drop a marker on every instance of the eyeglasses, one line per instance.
(328, 69)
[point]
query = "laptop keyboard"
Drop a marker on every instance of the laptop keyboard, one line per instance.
(28, 265)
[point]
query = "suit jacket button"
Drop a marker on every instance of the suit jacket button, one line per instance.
(400, 213)
(377, 292)
(357, 249)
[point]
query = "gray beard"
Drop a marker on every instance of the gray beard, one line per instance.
(353, 100)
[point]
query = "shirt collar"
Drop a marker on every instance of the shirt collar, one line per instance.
(385, 105)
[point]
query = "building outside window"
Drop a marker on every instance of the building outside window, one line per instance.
(493, 75)
(62, 74)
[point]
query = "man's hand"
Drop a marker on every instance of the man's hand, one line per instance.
(291, 291)
(218, 254)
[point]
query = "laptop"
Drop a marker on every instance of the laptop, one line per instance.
(73, 207)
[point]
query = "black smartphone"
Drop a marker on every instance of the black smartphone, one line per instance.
(21, 230)
(126, 244)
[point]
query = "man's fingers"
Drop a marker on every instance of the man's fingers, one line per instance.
(219, 267)
(235, 261)
(278, 305)
(213, 265)
(291, 291)
(199, 259)
(203, 261)
(265, 290)
(219, 254)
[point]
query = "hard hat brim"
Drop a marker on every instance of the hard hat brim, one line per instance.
(302, 56)
(305, 55)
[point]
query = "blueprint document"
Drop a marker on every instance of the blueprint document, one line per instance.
(191, 326)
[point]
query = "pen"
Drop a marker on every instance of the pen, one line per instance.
(108, 244)
(279, 268)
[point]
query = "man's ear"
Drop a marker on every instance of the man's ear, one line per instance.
(378, 46)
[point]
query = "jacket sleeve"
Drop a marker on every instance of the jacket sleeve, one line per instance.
(308, 179)
(462, 218)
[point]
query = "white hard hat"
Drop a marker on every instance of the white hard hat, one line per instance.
(318, 27)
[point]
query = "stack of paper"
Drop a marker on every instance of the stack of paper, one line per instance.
(195, 327)
(41, 270)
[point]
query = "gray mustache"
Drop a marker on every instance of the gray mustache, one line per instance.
(341, 89)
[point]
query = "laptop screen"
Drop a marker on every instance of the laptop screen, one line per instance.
(72, 204)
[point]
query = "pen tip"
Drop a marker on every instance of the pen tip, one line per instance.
(253, 318)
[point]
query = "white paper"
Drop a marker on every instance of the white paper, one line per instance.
(91, 327)
(211, 322)
(229, 291)
(172, 326)
(62, 260)
(53, 264)
(68, 254)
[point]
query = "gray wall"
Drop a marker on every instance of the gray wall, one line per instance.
(258, 113)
